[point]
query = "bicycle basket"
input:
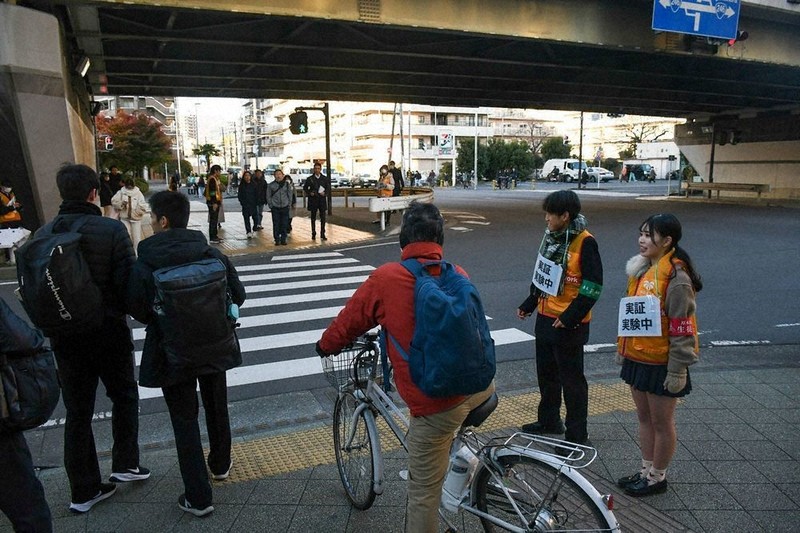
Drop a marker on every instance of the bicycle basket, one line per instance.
(352, 367)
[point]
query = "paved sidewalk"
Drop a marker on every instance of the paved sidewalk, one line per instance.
(737, 467)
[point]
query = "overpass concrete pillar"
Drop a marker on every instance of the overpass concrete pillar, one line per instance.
(40, 125)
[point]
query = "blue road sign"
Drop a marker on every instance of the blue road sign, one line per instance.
(709, 18)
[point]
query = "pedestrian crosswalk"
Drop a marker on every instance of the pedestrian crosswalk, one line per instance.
(291, 299)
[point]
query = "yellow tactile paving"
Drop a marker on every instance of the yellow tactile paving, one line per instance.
(281, 454)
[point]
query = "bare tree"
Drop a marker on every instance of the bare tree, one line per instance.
(537, 135)
(634, 134)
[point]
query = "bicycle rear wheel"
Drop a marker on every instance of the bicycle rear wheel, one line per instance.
(354, 457)
(565, 506)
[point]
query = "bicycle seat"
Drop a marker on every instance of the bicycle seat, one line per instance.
(477, 416)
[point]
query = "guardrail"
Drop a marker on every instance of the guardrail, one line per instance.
(398, 203)
(739, 187)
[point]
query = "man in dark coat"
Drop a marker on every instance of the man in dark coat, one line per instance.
(172, 245)
(317, 188)
(261, 196)
(104, 355)
(248, 198)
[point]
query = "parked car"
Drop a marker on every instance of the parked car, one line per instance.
(344, 180)
(365, 181)
(599, 173)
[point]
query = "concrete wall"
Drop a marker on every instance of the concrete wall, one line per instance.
(42, 120)
(774, 163)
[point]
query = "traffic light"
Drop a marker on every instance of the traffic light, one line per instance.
(298, 122)
(108, 142)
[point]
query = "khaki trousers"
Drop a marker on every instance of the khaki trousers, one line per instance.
(429, 439)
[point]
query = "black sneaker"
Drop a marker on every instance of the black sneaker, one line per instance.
(629, 480)
(131, 474)
(644, 488)
(223, 475)
(186, 506)
(106, 491)
(538, 428)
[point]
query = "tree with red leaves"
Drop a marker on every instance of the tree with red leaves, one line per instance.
(138, 142)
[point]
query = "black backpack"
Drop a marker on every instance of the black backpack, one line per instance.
(29, 387)
(191, 307)
(55, 284)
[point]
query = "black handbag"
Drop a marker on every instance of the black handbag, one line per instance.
(29, 390)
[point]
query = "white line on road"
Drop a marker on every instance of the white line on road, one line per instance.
(304, 284)
(737, 343)
(794, 324)
(307, 273)
(298, 264)
(305, 256)
(297, 298)
(246, 375)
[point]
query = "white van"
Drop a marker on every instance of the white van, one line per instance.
(567, 169)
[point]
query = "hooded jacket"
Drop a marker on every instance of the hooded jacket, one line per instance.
(170, 248)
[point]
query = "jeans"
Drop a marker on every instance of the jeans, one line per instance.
(559, 368)
(280, 223)
(429, 439)
(21, 494)
(250, 212)
(259, 214)
(108, 357)
(183, 410)
(213, 220)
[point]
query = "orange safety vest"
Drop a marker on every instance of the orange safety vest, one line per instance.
(553, 306)
(654, 350)
(11, 216)
(384, 192)
(217, 194)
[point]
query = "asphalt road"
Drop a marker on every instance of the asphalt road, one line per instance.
(747, 256)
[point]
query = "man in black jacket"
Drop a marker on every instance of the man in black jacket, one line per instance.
(317, 188)
(172, 245)
(105, 355)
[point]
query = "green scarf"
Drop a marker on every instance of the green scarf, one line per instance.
(555, 244)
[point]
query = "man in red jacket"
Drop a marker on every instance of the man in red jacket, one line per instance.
(387, 298)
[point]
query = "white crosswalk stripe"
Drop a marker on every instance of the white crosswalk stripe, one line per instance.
(306, 290)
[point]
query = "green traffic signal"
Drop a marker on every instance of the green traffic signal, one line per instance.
(298, 122)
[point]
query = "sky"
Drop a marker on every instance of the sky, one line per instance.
(212, 113)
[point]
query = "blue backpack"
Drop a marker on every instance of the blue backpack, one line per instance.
(452, 351)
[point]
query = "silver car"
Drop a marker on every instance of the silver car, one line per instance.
(599, 174)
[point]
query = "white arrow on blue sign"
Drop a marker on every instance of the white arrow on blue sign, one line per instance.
(708, 18)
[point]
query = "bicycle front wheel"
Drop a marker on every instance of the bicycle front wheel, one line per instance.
(352, 441)
(547, 501)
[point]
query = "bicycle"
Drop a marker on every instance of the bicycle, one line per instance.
(517, 483)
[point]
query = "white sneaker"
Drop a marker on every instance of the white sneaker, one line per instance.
(250, 235)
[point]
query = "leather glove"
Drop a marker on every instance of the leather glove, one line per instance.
(675, 381)
(322, 354)
(619, 359)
